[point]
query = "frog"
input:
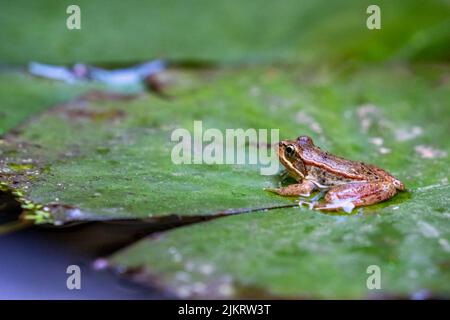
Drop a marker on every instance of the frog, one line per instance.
(346, 184)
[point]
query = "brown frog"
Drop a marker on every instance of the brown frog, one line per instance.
(348, 183)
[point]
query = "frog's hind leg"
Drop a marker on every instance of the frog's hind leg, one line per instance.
(356, 194)
(300, 189)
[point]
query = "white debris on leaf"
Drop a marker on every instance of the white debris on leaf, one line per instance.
(175, 254)
(377, 141)
(444, 182)
(303, 118)
(428, 152)
(219, 287)
(182, 276)
(206, 268)
(255, 91)
(444, 244)
(428, 230)
(403, 134)
(126, 77)
(225, 288)
(367, 114)
(53, 72)
(384, 150)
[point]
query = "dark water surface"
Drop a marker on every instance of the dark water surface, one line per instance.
(34, 260)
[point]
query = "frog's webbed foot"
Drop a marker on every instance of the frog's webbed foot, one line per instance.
(349, 196)
(301, 189)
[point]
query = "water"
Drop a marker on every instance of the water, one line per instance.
(34, 260)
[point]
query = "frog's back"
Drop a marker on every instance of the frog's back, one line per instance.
(314, 156)
(338, 170)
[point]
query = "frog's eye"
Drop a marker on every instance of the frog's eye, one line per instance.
(289, 151)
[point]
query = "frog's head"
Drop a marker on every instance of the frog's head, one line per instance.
(290, 153)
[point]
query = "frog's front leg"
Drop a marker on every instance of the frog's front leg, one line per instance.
(356, 194)
(300, 189)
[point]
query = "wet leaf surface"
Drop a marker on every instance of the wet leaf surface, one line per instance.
(297, 253)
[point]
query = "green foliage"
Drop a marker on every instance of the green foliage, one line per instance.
(222, 31)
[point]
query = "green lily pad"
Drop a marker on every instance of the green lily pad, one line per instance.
(107, 156)
(21, 96)
(297, 253)
(96, 158)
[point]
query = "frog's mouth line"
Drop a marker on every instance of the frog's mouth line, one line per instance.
(299, 175)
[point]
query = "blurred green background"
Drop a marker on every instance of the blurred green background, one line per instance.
(223, 31)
